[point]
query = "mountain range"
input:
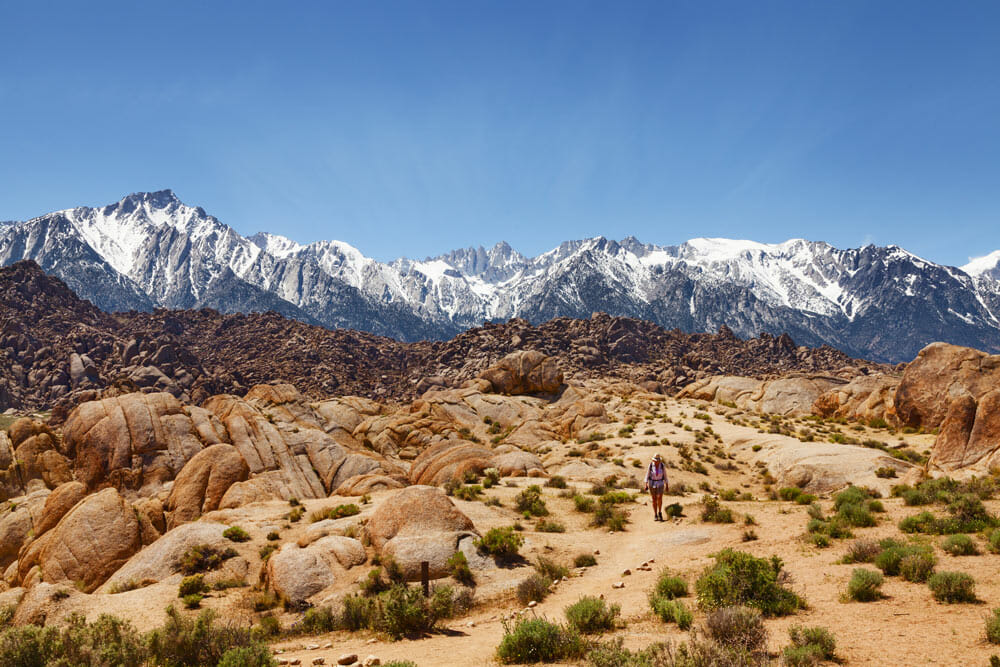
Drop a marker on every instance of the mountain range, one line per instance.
(150, 250)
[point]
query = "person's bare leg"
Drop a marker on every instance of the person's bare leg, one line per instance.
(657, 504)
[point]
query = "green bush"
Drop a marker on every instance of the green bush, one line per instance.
(890, 559)
(917, 567)
(583, 503)
(256, 655)
(967, 514)
(551, 569)
(807, 655)
(192, 600)
(669, 586)
(672, 611)
(713, 511)
(789, 493)
(356, 612)
(590, 615)
(925, 522)
(584, 560)
(738, 578)
(530, 501)
(538, 640)
(556, 482)
(106, 641)
(268, 626)
(502, 543)
(952, 587)
(202, 558)
(318, 621)
(610, 517)
(468, 492)
(534, 588)
(338, 512)
(193, 642)
(236, 534)
(822, 641)
(993, 626)
(192, 585)
(549, 526)
(7, 612)
(403, 611)
(864, 585)
(959, 545)
(738, 628)
(458, 567)
(615, 497)
(994, 540)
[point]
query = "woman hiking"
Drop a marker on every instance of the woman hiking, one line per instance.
(656, 483)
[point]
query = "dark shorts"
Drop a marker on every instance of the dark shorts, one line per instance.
(656, 486)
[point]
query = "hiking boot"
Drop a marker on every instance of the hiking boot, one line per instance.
(659, 516)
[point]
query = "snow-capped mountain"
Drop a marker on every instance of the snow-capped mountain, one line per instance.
(151, 250)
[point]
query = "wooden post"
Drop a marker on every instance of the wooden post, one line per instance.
(425, 577)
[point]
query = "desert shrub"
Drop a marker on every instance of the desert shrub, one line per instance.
(202, 558)
(672, 611)
(192, 642)
(268, 626)
(738, 578)
(236, 534)
(789, 493)
(890, 559)
(864, 585)
(925, 522)
(820, 540)
(534, 588)
(739, 628)
(374, 583)
(491, 477)
(318, 620)
(993, 626)
(952, 587)
(583, 503)
(356, 612)
(468, 492)
(822, 640)
(806, 499)
(191, 585)
(917, 567)
(713, 511)
(192, 601)
(994, 540)
(857, 515)
(862, 551)
(502, 543)
(265, 600)
(338, 512)
(815, 511)
(610, 516)
(265, 551)
(7, 614)
(255, 655)
(589, 615)
(885, 472)
(669, 586)
(615, 497)
(530, 501)
(551, 569)
(581, 560)
(549, 526)
(106, 641)
(458, 567)
(556, 482)
(538, 640)
(295, 515)
(403, 611)
(960, 545)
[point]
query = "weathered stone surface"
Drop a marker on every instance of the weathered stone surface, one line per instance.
(449, 460)
(940, 374)
(297, 573)
(865, 398)
(136, 440)
(17, 527)
(91, 542)
(203, 481)
(162, 558)
(62, 499)
(517, 463)
(524, 372)
(359, 485)
(791, 396)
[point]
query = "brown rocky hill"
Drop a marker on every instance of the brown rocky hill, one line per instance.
(57, 350)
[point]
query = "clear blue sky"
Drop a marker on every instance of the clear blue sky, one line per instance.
(411, 128)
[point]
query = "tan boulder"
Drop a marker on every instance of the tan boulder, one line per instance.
(29, 453)
(359, 485)
(62, 499)
(940, 374)
(161, 559)
(89, 543)
(18, 526)
(790, 396)
(26, 427)
(517, 463)
(203, 481)
(864, 398)
(136, 440)
(298, 573)
(449, 460)
(524, 372)
(419, 523)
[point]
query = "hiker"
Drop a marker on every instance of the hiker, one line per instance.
(656, 482)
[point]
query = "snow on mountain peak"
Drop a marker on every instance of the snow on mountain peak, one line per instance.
(987, 264)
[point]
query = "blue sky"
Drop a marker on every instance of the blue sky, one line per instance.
(411, 128)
